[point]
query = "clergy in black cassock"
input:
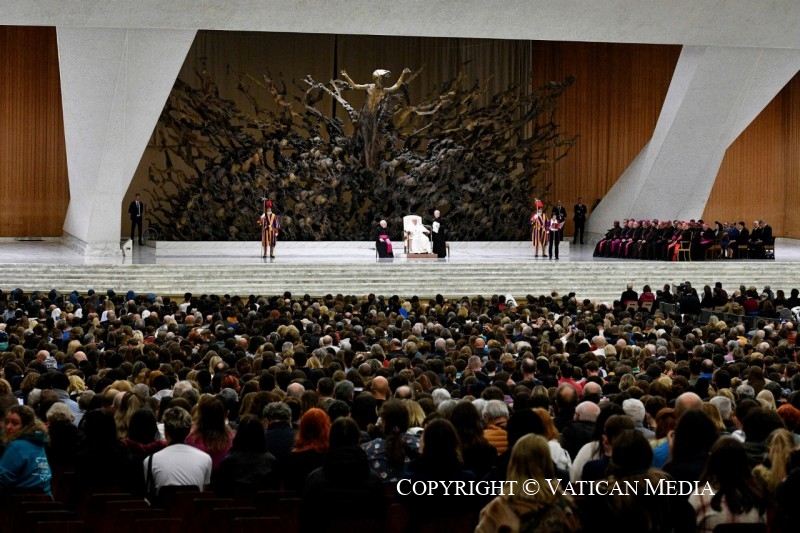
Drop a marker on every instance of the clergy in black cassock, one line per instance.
(439, 234)
(383, 244)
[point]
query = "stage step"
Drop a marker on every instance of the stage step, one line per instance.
(598, 280)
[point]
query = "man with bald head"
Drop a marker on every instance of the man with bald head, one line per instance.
(41, 355)
(592, 392)
(326, 342)
(295, 390)
(600, 344)
(566, 400)
(404, 392)
(479, 346)
(579, 431)
(686, 402)
(380, 388)
(44, 357)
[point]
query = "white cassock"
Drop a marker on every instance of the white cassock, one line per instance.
(420, 243)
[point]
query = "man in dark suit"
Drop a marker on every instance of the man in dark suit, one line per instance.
(579, 217)
(743, 239)
(760, 236)
(136, 211)
(561, 214)
(629, 295)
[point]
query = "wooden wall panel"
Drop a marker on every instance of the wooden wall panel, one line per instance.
(790, 115)
(613, 107)
(34, 189)
(759, 174)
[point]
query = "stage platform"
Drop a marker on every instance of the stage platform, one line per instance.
(337, 252)
(320, 268)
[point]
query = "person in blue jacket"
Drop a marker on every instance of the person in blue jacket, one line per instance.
(24, 462)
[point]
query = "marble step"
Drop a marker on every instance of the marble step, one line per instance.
(596, 280)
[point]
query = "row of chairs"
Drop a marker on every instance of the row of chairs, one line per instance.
(182, 509)
(742, 251)
(179, 511)
(748, 321)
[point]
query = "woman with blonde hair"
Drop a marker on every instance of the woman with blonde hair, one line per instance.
(519, 510)
(713, 413)
(626, 381)
(415, 416)
(780, 445)
(73, 346)
(122, 385)
(767, 400)
(76, 386)
(213, 362)
(129, 404)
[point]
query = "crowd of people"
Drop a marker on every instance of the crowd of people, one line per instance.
(664, 240)
(335, 398)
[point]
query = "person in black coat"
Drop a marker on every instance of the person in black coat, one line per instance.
(439, 235)
(249, 465)
(65, 438)
(136, 211)
(579, 217)
(743, 239)
(279, 434)
(689, 303)
(104, 462)
(440, 460)
(579, 431)
(344, 481)
(695, 434)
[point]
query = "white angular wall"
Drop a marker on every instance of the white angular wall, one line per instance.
(715, 93)
(114, 83)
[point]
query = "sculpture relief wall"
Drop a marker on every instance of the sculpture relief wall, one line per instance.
(473, 153)
(612, 106)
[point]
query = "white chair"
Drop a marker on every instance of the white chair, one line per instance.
(408, 225)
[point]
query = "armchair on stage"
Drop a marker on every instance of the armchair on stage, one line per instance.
(417, 238)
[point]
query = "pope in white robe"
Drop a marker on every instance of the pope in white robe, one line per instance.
(419, 242)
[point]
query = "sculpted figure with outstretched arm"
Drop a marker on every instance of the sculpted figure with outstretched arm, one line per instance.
(376, 92)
